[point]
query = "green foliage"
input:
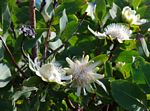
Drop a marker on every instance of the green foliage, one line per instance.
(34, 75)
(128, 95)
(100, 9)
(5, 75)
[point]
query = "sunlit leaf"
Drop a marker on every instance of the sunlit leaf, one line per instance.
(63, 21)
(100, 9)
(5, 75)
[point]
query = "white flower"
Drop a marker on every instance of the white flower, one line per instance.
(130, 16)
(148, 29)
(83, 74)
(114, 31)
(91, 10)
(50, 72)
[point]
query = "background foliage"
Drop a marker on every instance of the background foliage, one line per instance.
(21, 90)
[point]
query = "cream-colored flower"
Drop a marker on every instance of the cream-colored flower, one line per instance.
(148, 29)
(50, 72)
(130, 16)
(114, 31)
(91, 10)
(83, 74)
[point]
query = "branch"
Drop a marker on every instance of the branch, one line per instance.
(33, 24)
(46, 39)
(12, 58)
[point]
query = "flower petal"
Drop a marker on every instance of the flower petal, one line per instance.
(70, 62)
(66, 77)
(98, 34)
(86, 58)
(89, 88)
(98, 76)
(102, 85)
(84, 91)
(78, 90)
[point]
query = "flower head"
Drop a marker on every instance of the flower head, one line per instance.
(114, 31)
(27, 31)
(50, 72)
(130, 16)
(118, 31)
(83, 74)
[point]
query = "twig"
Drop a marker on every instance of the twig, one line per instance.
(47, 38)
(55, 3)
(48, 31)
(12, 58)
(42, 5)
(107, 107)
(74, 32)
(33, 24)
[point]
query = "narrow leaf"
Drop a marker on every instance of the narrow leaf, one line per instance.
(63, 21)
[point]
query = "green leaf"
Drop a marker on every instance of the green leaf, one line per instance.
(73, 40)
(136, 70)
(128, 95)
(69, 29)
(102, 58)
(146, 71)
(126, 56)
(141, 70)
(26, 91)
(63, 21)
(100, 9)
(136, 3)
(126, 70)
(20, 14)
(128, 45)
(6, 19)
(32, 81)
(110, 2)
(108, 69)
(5, 75)
(72, 6)
(3, 5)
(1, 51)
